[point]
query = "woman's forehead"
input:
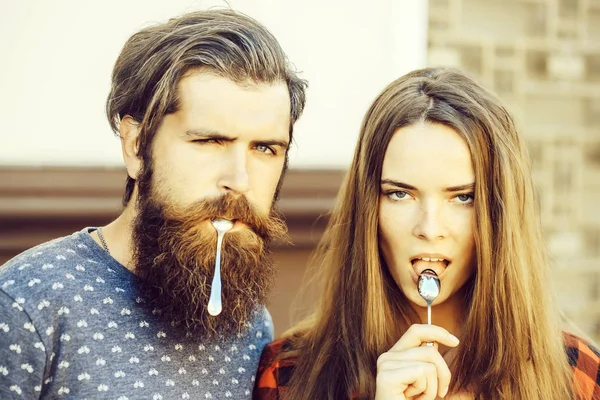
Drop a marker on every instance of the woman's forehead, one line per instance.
(431, 152)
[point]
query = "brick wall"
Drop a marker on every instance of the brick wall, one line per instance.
(542, 57)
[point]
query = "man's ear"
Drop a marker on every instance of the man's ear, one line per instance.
(129, 132)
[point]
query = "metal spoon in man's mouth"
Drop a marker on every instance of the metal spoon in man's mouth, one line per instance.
(215, 304)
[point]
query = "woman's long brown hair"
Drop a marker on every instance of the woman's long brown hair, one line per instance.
(512, 346)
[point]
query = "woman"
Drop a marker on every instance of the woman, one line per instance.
(440, 180)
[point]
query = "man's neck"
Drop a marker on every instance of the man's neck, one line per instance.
(119, 237)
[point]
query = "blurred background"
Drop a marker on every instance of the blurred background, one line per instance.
(61, 166)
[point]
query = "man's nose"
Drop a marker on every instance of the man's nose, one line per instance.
(234, 172)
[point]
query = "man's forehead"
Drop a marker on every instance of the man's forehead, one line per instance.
(221, 105)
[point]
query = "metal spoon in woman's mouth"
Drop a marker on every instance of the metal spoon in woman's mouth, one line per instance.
(429, 287)
(222, 226)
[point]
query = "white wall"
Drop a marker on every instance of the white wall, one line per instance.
(56, 59)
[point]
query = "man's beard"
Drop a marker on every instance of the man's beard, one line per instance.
(174, 254)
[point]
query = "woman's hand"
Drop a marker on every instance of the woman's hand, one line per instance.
(412, 369)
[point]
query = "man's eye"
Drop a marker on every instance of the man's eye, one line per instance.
(264, 149)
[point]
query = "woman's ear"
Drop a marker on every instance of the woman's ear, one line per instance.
(129, 132)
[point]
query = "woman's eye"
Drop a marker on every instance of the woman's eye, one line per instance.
(465, 198)
(397, 195)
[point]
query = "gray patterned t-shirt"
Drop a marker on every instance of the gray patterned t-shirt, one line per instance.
(72, 326)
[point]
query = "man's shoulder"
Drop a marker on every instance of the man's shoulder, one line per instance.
(48, 266)
(45, 251)
(262, 325)
(255, 337)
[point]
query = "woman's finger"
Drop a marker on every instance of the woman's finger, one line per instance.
(418, 334)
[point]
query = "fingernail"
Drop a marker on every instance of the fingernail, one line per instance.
(453, 339)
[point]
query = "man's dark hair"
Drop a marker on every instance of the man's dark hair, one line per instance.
(153, 60)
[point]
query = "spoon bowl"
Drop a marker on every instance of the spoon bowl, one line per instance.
(221, 225)
(429, 285)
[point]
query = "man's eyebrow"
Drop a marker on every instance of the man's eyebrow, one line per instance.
(402, 185)
(208, 134)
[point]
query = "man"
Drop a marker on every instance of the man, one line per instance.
(204, 106)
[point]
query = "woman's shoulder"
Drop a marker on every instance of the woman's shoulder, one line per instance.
(274, 370)
(584, 358)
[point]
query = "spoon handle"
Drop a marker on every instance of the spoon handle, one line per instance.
(429, 344)
(214, 304)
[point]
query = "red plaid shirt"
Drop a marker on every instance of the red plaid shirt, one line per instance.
(274, 375)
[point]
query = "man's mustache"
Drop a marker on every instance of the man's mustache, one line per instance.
(232, 208)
